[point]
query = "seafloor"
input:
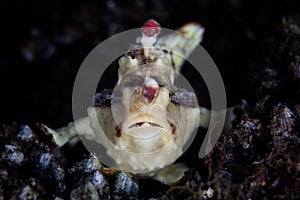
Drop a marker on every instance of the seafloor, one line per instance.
(256, 46)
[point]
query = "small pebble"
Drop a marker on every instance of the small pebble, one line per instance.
(125, 185)
(87, 191)
(58, 172)
(26, 134)
(13, 154)
(45, 160)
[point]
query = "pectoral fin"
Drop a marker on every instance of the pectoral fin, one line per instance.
(205, 117)
(171, 174)
(69, 133)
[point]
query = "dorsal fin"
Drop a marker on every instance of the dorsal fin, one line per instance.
(171, 50)
(182, 43)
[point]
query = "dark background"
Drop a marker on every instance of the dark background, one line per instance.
(43, 43)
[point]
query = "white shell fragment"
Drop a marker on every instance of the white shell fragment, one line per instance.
(208, 194)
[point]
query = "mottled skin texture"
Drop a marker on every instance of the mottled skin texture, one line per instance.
(146, 120)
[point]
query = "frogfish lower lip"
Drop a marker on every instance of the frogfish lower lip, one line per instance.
(145, 124)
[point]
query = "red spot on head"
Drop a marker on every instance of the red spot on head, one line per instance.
(150, 89)
(151, 28)
(150, 92)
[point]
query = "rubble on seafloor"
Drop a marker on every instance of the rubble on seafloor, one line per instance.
(259, 158)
